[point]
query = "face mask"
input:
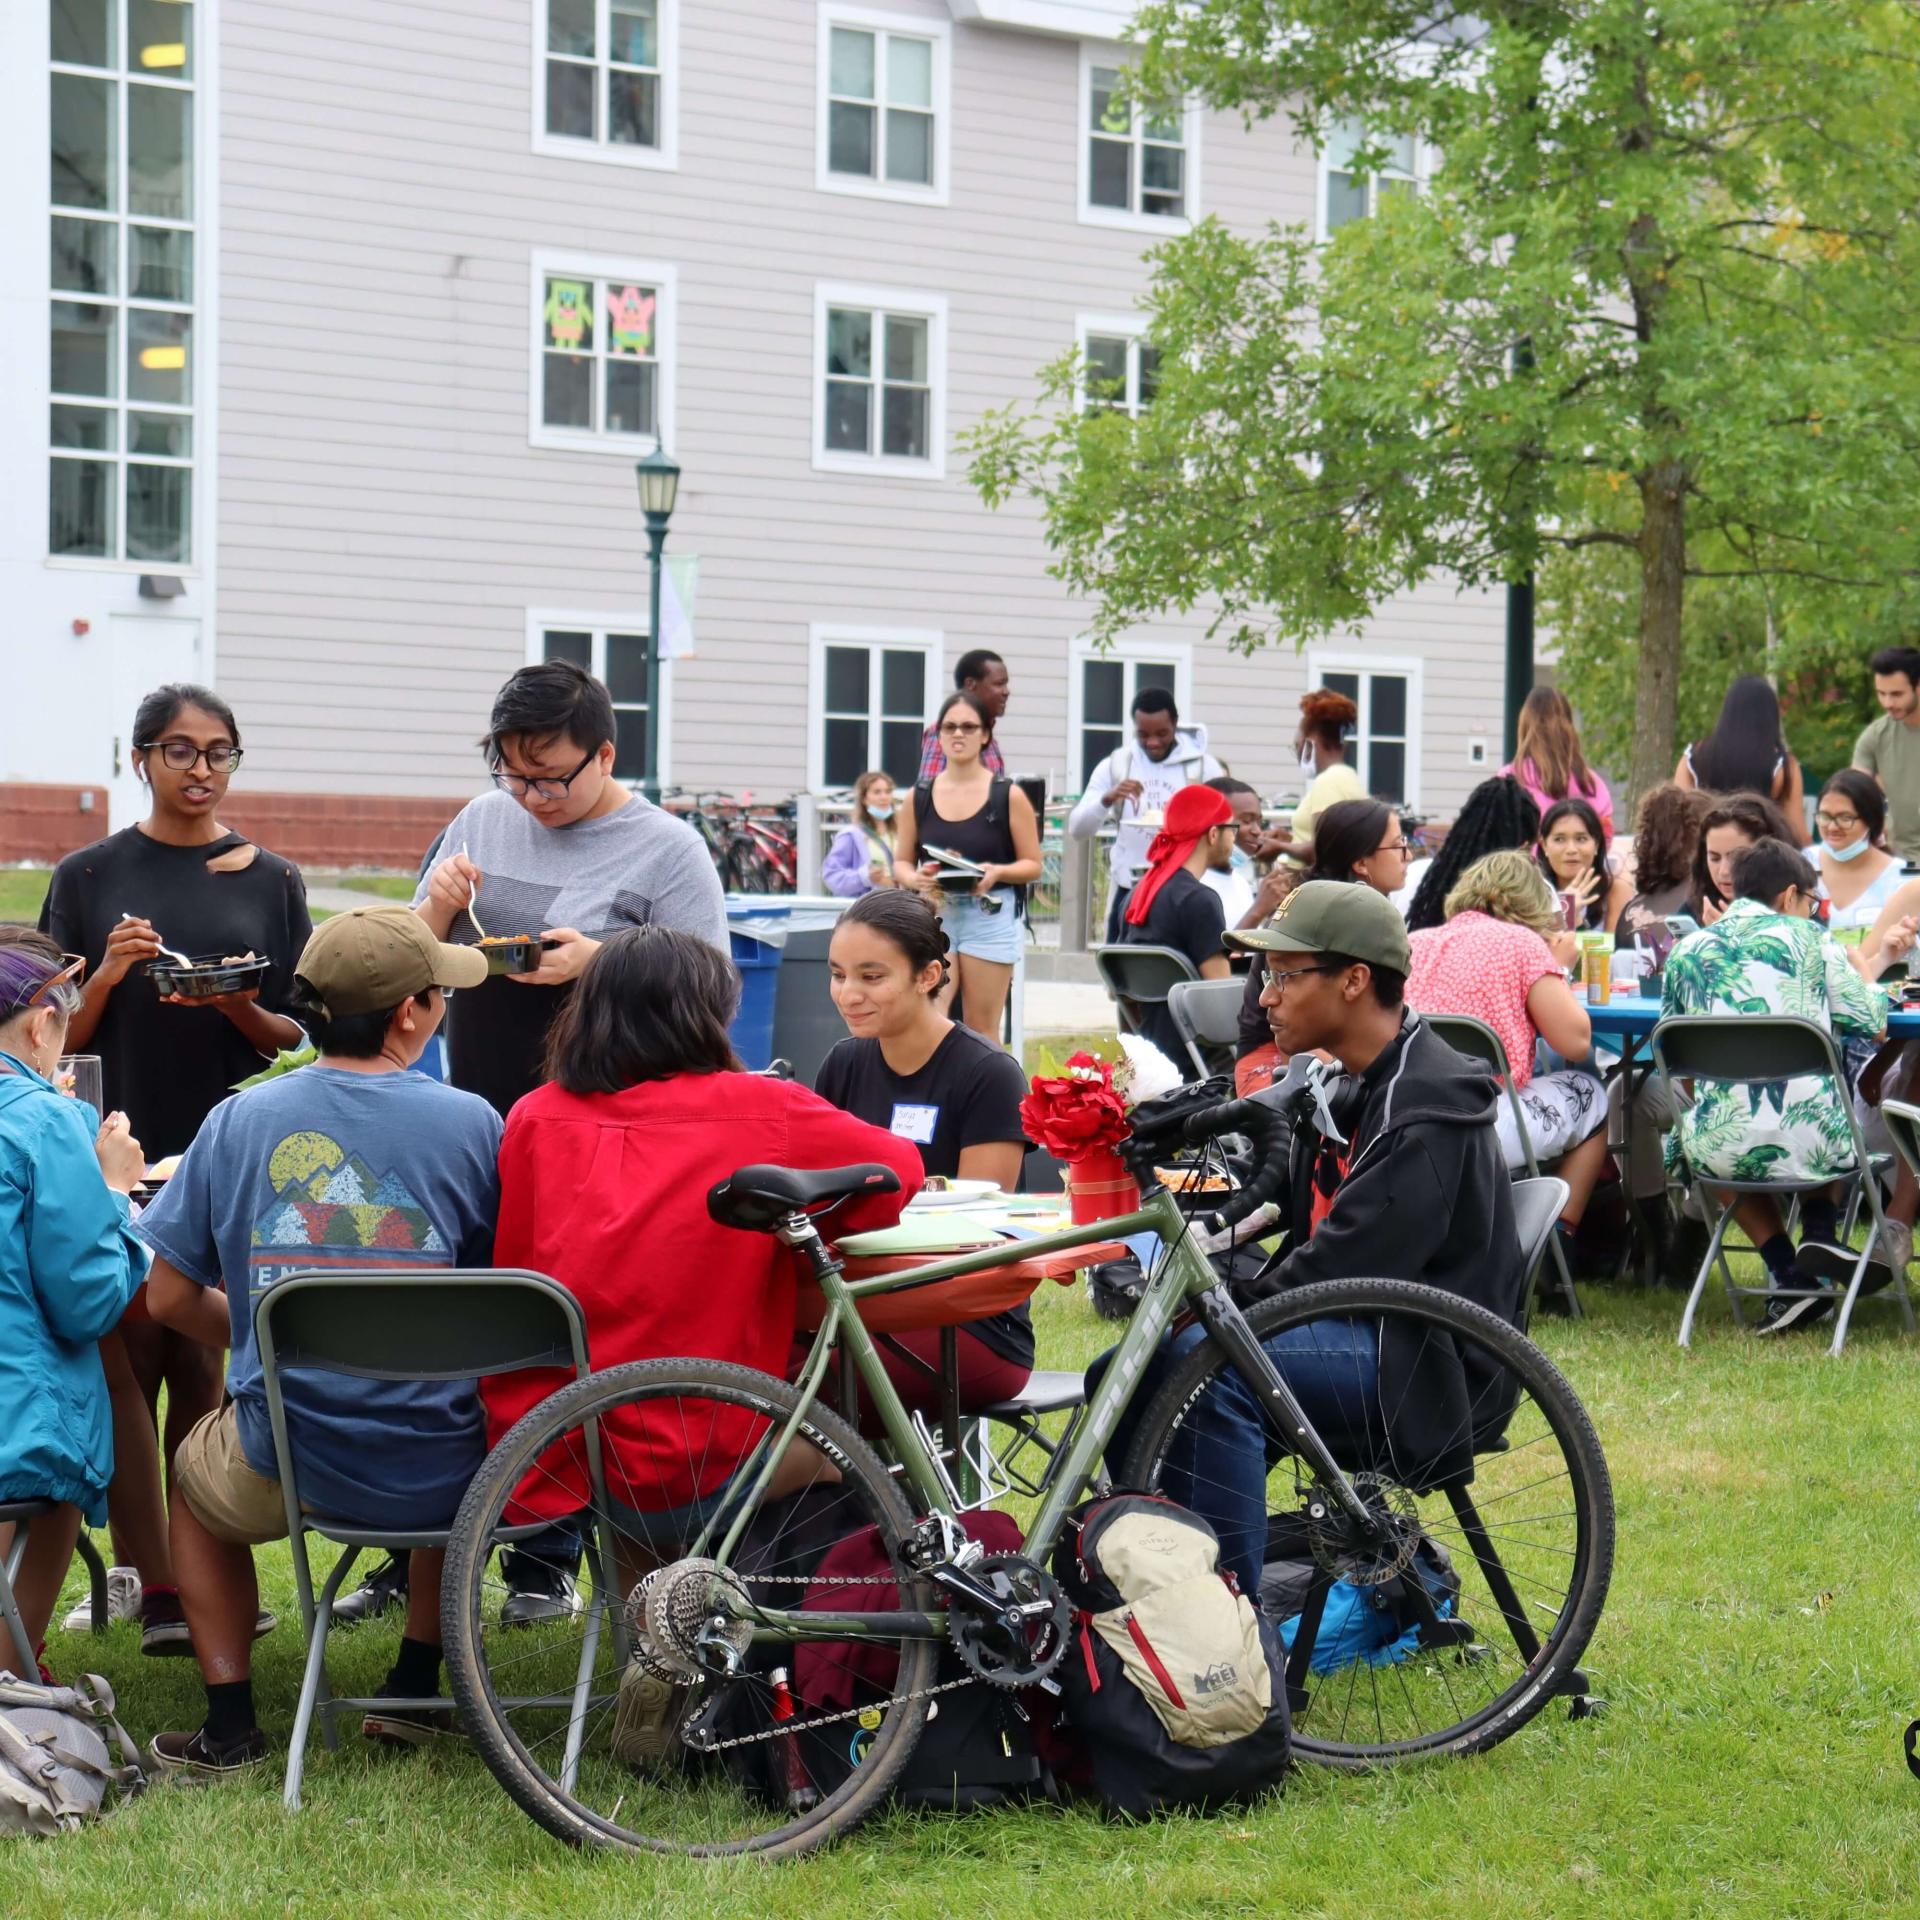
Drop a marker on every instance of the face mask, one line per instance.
(1844, 854)
(882, 813)
(1309, 762)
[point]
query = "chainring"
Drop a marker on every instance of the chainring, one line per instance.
(1005, 1656)
(673, 1606)
(1338, 1547)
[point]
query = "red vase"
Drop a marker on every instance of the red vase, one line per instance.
(1099, 1187)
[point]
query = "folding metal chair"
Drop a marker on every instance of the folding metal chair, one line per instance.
(388, 1325)
(1478, 1041)
(1207, 1012)
(21, 1514)
(1766, 1050)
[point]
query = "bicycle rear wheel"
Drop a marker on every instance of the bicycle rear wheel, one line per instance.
(618, 1726)
(1405, 1652)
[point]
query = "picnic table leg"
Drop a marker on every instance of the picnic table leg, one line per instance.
(1641, 1251)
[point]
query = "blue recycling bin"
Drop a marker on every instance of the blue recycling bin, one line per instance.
(757, 929)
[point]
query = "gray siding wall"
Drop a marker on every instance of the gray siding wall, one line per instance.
(385, 524)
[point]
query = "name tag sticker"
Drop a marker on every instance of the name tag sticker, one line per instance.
(915, 1123)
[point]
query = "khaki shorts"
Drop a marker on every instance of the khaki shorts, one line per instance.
(228, 1498)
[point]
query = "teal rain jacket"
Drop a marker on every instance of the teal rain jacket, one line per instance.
(69, 1264)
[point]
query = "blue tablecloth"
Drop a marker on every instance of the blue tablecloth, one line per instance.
(1633, 1018)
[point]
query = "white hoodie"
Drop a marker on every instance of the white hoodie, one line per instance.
(1186, 765)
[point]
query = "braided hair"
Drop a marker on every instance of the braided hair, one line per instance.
(1499, 813)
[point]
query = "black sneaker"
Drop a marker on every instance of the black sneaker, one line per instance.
(405, 1726)
(163, 1626)
(1783, 1313)
(384, 1589)
(540, 1594)
(192, 1757)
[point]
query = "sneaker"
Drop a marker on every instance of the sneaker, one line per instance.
(646, 1719)
(1831, 1262)
(192, 1757)
(384, 1589)
(406, 1726)
(123, 1601)
(163, 1626)
(544, 1593)
(1783, 1313)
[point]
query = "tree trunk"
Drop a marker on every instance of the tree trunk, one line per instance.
(1663, 559)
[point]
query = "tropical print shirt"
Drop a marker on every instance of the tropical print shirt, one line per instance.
(1753, 960)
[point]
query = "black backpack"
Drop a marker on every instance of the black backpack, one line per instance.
(996, 813)
(1175, 1687)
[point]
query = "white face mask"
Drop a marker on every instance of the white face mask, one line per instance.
(1846, 853)
(881, 813)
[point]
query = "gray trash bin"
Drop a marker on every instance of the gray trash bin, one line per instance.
(805, 1024)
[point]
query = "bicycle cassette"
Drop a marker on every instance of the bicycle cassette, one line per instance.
(682, 1628)
(1020, 1651)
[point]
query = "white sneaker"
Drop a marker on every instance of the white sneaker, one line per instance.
(123, 1601)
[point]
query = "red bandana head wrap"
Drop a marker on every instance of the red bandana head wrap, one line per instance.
(1190, 813)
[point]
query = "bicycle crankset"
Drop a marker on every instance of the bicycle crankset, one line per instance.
(682, 1627)
(1021, 1642)
(1337, 1540)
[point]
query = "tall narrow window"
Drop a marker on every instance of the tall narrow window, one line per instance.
(122, 333)
(883, 104)
(878, 402)
(1381, 750)
(1107, 689)
(606, 79)
(872, 704)
(1137, 162)
(601, 339)
(619, 661)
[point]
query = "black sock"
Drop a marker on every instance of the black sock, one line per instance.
(1777, 1251)
(229, 1712)
(417, 1671)
(1819, 1218)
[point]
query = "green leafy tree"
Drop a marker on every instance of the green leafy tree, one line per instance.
(1698, 214)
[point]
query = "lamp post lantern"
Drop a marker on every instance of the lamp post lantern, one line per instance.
(659, 480)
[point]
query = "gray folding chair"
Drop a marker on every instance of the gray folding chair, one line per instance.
(1766, 1050)
(1141, 977)
(1537, 1206)
(1207, 1012)
(1478, 1041)
(402, 1325)
(21, 1514)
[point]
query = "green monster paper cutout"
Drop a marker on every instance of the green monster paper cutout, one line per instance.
(568, 304)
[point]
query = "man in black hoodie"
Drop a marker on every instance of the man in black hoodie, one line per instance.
(1417, 1190)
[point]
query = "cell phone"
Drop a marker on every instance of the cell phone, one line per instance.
(1681, 924)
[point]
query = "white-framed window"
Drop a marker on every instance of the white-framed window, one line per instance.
(606, 80)
(871, 690)
(613, 648)
(1347, 193)
(885, 114)
(1385, 750)
(1120, 367)
(1101, 686)
(1138, 169)
(123, 344)
(603, 345)
(880, 375)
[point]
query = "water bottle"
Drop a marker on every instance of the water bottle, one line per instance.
(802, 1796)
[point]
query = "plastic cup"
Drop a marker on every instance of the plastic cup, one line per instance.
(79, 1075)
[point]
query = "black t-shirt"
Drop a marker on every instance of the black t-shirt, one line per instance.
(167, 1067)
(967, 1095)
(1188, 917)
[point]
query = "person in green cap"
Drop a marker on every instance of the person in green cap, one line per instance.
(1401, 1178)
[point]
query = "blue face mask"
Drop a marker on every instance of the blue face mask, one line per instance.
(881, 813)
(1844, 854)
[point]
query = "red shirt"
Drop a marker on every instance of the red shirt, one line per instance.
(607, 1193)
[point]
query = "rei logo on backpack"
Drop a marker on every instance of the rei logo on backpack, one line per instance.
(56, 1754)
(1175, 1685)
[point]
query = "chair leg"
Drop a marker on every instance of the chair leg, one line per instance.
(26, 1667)
(582, 1691)
(96, 1580)
(313, 1682)
(1700, 1279)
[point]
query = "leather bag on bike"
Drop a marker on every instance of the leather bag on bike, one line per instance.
(1175, 1686)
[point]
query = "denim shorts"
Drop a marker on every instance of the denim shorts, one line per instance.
(980, 934)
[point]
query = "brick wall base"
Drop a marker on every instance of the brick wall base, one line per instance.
(44, 823)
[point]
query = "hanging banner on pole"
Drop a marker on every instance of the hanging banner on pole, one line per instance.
(681, 577)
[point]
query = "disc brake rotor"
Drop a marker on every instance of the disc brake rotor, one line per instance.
(998, 1651)
(1340, 1547)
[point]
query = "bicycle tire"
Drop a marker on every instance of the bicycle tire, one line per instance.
(531, 1786)
(1536, 1681)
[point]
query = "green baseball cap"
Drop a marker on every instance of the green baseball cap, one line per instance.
(374, 957)
(1334, 916)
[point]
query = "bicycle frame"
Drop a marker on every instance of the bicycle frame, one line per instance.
(1182, 1278)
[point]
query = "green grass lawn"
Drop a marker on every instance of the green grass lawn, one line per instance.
(1761, 1652)
(22, 889)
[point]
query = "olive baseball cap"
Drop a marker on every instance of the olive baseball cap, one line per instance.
(375, 957)
(1334, 916)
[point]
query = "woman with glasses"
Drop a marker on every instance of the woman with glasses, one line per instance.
(1858, 876)
(988, 821)
(68, 1267)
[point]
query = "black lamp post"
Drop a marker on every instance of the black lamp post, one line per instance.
(659, 481)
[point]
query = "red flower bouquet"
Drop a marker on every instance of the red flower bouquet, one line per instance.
(1080, 1116)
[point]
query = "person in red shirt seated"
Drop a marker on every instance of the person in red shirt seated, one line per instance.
(604, 1175)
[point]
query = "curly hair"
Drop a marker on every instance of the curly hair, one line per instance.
(1508, 886)
(1326, 715)
(1499, 813)
(1755, 815)
(1666, 831)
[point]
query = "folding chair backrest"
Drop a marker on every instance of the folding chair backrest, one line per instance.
(1143, 974)
(1903, 1128)
(1742, 1048)
(1207, 1012)
(1537, 1204)
(1474, 1038)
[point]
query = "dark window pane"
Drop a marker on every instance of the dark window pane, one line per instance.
(633, 109)
(900, 751)
(849, 341)
(83, 141)
(577, 647)
(849, 416)
(168, 434)
(1095, 744)
(570, 92)
(630, 407)
(1103, 692)
(1389, 705)
(1347, 683)
(158, 502)
(1154, 673)
(1104, 113)
(630, 743)
(83, 253)
(1149, 374)
(1106, 370)
(567, 395)
(84, 357)
(83, 32)
(633, 27)
(910, 148)
(1387, 771)
(627, 668)
(903, 683)
(850, 139)
(570, 27)
(160, 38)
(159, 356)
(904, 423)
(81, 517)
(1110, 182)
(1162, 174)
(160, 152)
(160, 263)
(93, 428)
(846, 752)
(1346, 199)
(906, 350)
(847, 680)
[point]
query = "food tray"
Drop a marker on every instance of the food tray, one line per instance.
(511, 952)
(208, 975)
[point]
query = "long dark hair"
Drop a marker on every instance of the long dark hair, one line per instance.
(653, 1002)
(1547, 740)
(162, 707)
(1755, 815)
(1863, 791)
(1349, 830)
(1746, 746)
(1499, 813)
(1596, 910)
(972, 700)
(902, 916)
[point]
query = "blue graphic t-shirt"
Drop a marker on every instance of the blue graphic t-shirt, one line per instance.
(329, 1168)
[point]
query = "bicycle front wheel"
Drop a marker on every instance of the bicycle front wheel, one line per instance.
(668, 1714)
(1455, 1622)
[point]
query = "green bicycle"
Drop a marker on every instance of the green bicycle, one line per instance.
(708, 1494)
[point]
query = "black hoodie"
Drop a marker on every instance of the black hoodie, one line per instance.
(1425, 1196)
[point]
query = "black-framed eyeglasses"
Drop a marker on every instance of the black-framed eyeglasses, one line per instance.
(1391, 846)
(181, 755)
(1279, 980)
(546, 789)
(1837, 822)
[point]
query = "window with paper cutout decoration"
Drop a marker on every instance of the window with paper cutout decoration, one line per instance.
(600, 356)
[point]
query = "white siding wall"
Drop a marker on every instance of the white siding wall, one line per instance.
(385, 524)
